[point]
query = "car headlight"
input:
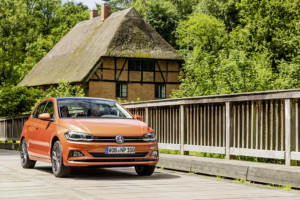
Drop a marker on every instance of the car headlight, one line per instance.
(149, 137)
(76, 136)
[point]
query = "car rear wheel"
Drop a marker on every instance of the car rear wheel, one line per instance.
(144, 170)
(25, 161)
(58, 167)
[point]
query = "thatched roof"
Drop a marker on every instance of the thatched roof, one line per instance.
(74, 57)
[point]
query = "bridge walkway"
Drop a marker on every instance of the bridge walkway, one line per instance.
(121, 183)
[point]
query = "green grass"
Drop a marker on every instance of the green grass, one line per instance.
(208, 155)
(168, 151)
(256, 159)
(9, 141)
(285, 187)
(193, 153)
(220, 178)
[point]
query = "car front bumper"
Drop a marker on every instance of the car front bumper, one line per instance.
(94, 154)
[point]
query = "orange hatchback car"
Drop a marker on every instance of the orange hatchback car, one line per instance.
(72, 132)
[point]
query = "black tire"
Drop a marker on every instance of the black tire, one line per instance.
(58, 168)
(144, 170)
(25, 161)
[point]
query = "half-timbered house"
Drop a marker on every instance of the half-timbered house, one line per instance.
(116, 55)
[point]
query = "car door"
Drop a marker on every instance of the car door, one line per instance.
(32, 127)
(45, 130)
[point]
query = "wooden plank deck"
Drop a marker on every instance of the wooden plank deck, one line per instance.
(122, 183)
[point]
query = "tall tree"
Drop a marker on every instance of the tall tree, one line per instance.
(29, 29)
(257, 49)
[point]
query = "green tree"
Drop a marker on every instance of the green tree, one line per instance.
(225, 10)
(256, 47)
(163, 17)
(17, 100)
(13, 39)
(201, 37)
(29, 29)
(64, 89)
(272, 25)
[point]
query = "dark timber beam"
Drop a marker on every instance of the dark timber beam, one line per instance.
(122, 70)
(167, 68)
(144, 82)
(102, 71)
(115, 61)
(162, 75)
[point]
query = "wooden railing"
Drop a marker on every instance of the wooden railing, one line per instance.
(263, 124)
(11, 127)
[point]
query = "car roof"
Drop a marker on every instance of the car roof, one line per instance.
(83, 98)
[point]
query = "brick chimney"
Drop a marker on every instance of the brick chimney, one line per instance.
(105, 11)
(93, 14)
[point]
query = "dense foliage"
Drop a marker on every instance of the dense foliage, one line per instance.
(240, 46)
(229, 46)
(28, 30)
(22, 100)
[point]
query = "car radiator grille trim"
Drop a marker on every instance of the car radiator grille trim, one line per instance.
(137, 154)
(115, 160)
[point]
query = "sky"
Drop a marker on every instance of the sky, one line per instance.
(90, 3)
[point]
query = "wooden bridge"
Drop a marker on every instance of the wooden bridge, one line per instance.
(262, 124)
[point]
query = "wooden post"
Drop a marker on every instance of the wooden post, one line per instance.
(287, 103)
(5, 130)
(227, 104)
(182, 123)
(147, 116)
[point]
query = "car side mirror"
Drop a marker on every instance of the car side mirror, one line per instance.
(138, 117)
(45, 116)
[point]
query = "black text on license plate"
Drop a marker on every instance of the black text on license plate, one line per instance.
(119, 150)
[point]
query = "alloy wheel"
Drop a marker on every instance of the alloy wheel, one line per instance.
(56, 158)
(24, 152)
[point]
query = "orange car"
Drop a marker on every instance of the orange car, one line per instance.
(70, 132)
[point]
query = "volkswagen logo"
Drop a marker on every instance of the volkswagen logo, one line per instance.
(119, 139)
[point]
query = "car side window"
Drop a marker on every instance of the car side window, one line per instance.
(50, 109)
(39, 109)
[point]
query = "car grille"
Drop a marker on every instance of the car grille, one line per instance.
(137, 154)
(113, 139)
(115, 160)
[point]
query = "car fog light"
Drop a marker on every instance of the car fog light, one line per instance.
(75, 154)
(154, 153)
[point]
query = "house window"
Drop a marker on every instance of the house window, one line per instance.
(141, 65)
(121, 90)
(160, 91)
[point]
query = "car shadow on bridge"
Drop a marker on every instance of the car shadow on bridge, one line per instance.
(114, 173)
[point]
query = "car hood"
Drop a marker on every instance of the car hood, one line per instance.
(106, 127)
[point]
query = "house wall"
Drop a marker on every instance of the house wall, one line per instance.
(136, 91)
(103, 84)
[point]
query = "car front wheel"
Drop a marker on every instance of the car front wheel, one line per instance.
(25, 161)
(58, 167)
(144, 170)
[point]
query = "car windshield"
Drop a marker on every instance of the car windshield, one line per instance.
(91, 108)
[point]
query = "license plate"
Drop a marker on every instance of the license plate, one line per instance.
(119, 150)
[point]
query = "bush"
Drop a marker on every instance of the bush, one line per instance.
(18, 100)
